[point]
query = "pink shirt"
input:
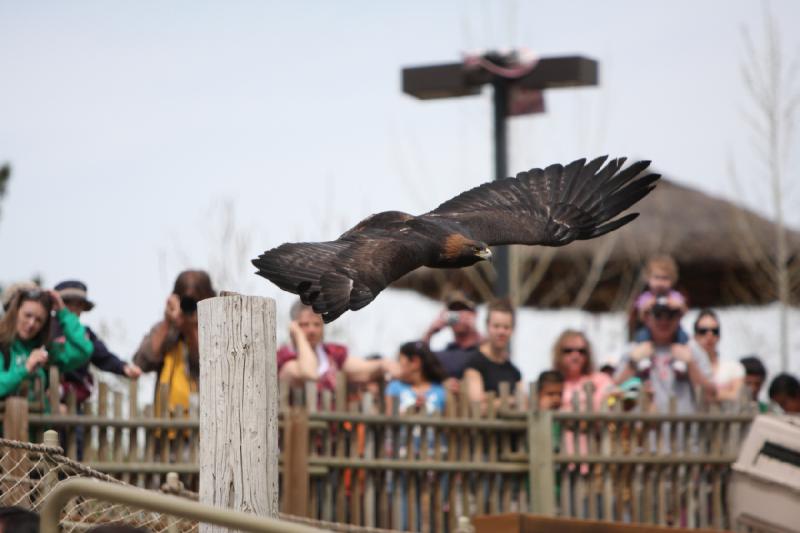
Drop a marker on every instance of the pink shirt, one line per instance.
(601, 381)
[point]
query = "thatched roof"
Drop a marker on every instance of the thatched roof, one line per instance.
(725, 253)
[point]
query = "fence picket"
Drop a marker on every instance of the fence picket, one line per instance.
(636, 466)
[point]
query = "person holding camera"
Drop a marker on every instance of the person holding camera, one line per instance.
(171, 348)
(672, 368)
(27, 346)
(460, 316)
(75, 296)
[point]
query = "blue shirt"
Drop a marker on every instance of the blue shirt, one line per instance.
(406, 397)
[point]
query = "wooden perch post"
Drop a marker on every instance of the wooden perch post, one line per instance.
(238, 405)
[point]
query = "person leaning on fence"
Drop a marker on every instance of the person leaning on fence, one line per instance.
(26, 345)
(572, 357)
(80, 381)
(459, 314)
(171, 347)
(308, 358)
(550, 390)
(417, 390)
(727, 376)
(672, 369)
(491, 363)
(755, 374)
(784, 392)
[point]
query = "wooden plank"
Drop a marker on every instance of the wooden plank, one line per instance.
(15, 463)
(453, 454)
(72, 438)
(541, 474)
(476, 501)
(150, 445)
(608, 473)
(327, 450)
(90, 430)
(194, 442)
(662, 479)
(165, 432)
(102, 412)
(116, 434)
(340, 399)
(297, 471)
(238, 405)
(355, 483)
(368, 406)
(491, 436)
(637, 495)
(133, 433)
(691, 496)
(312, 403)
(53, 393)
(396, 479)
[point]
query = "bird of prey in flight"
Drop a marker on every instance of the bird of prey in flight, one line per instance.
(550, 207)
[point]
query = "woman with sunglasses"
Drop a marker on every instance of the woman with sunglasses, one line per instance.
(726, 376)
(26, 346)
(572, 356)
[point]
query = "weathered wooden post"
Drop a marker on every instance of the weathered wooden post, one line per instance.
(15, 462)
(238, 405)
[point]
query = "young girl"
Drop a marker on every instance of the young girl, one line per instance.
(419, 387)
(25, 343)
(418, 391)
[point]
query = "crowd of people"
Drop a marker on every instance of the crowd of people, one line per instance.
(671, 367)
(664, 365)
(42, 327)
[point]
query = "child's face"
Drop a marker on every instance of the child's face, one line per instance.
(550, 396)
(659, 281)
(789, 404)
(408, 365)
(754, 383)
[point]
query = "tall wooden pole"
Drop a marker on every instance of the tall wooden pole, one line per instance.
(238, 405)
(500, 106)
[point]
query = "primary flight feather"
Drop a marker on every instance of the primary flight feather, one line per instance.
(550, 207)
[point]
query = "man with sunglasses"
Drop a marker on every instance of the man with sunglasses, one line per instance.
(672, 368)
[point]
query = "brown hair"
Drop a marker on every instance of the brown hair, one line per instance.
(197, 282)
(557, 355)
(8, 324)
(665, 263)
(502, 305)
(298, 308)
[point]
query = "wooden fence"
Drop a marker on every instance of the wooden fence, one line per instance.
(345, 460)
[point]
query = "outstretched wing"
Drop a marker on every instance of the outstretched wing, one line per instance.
(553, 207)
(340, 275)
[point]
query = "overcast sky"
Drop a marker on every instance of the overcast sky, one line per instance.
(130, 125)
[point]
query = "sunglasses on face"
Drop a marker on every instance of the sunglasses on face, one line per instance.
(665, 315)
(567, 349)
(704, 331)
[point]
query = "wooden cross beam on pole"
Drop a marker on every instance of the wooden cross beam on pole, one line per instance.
(453, 80)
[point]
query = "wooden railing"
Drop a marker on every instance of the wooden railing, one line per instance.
(345, 460)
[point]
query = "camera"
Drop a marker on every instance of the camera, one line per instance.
(452, 318)
(188, 305)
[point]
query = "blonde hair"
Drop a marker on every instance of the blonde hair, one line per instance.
(557, 355)
(663, 262)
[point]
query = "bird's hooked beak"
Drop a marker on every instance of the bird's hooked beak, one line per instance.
(486, 254)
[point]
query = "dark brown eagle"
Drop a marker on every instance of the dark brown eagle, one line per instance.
(550, 207)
